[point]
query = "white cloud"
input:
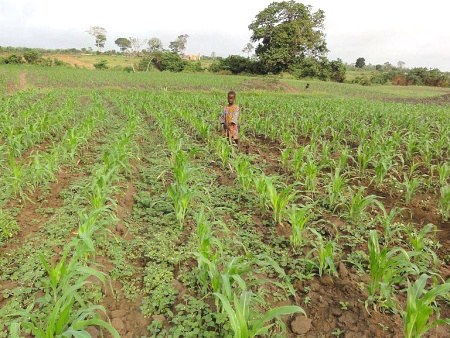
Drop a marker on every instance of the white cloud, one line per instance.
(415, 32)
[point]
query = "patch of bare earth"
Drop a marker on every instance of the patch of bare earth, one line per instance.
(438, 100)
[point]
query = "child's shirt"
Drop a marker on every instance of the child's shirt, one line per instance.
(230, 115)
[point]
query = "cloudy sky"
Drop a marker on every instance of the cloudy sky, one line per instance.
(415, 32)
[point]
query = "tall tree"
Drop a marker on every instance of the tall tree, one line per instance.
(287, 32)
(213, 55)
(179, 45)
(136, 44)
(248, 49)
(123, 44)
(99, 33)
(360, 63)
(154, 45)
(401, 64)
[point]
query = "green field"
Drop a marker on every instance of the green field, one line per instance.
(124, 210)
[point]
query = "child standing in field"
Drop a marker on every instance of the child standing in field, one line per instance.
(230, 119)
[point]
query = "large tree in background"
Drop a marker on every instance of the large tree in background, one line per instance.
(99, 33)
(123, 44)
(179, 45)
(154, 45)
(287, 32)
(360, 63)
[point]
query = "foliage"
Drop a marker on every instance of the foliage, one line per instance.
(123, 44)
(360, 63)
(101, 65)
(419, 307)
(167, 61)
(179, 45)
(286, 32)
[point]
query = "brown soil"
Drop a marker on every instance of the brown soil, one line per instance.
(22, 80)
(438, 100)
(268, 84)
(73, 60)
(29, 219)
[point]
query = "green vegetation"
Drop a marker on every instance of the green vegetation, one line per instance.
(124, 210)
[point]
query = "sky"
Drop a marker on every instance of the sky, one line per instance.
(415, 32)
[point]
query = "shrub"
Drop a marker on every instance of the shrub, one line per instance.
(14, 59)
(167, 61)
(31, 57)
(190, 66)
(103, 64)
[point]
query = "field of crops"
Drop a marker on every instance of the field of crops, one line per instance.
(125, 213)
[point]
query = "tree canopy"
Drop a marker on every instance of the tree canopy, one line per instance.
(286, 32)
(99, 33)
(360, 63)
(154, 45)
(123, 44)
(179, 45)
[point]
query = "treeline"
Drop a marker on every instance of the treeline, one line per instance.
(322, 68)
(31, 57)
(420, 76)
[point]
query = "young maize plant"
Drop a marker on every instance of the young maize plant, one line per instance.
(223, 151)
(279, 201)
(363, 157)
(298, 218)
(382, 167)
(203, 129)
(419, 307)
(244, 317)
(358, 204)
(410, 185)
(181, 196)
(334, 187)
(285, 156)
(309, 171)
(244, 172)
(342, 162)
(444, 202)
(261, 183)
(386, 268)
(68, 315)
(18, 177)
(387, 222)
(298, 159)
(422, 254)
(444, 173)
(325, 255)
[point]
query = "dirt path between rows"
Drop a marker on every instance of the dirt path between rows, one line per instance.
(22, 80)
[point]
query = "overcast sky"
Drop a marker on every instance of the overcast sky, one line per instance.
(416, 32)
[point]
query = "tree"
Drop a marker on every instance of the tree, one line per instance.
(337, 71)
(167, 61)
(136, 44)
(99, 33)
(401, 64)
(213, 55)
(248, 49)
(360, 63)
(154, 45)
(123, 44)
(179, 45)
(286, 32)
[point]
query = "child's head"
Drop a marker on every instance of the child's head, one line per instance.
(231, 97)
